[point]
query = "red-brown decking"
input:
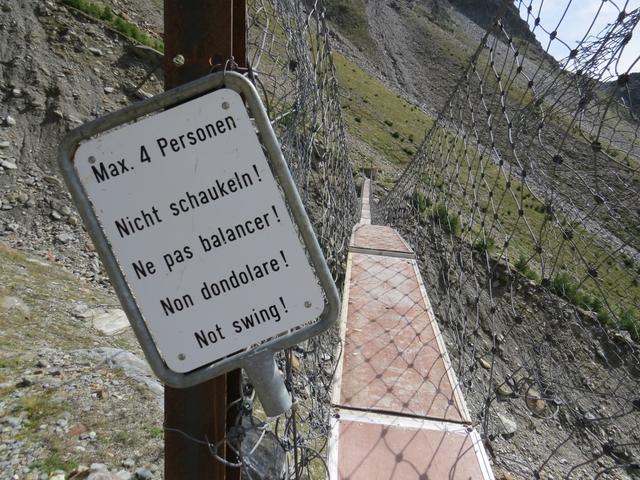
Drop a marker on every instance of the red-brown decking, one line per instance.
(406, 448)
(399, 412)
(379, 239)
(392, 360)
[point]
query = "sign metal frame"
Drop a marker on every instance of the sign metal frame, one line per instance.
(259, 359)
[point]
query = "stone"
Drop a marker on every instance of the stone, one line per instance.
(110, 322)
(122, 475)
(56, 215)
(76, 430)
(79, 472)
(51, 180)
(5, 144)
(535, 402)
(25, 382)
(10, 121)
(9, 165)
(100, 475)
(132, 366)
(504, 391)
(57, 475)
(64, 238)
(143, 474)
(96, 467)
(96, 51)
(14, 422)
(508, 425)
(109, 89)
(129, 463)
(484, 363)
(14, 303)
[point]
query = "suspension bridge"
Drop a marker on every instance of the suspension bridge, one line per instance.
(399, 411)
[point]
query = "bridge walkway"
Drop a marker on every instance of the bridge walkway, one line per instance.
(399, 411)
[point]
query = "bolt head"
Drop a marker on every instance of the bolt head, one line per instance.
(178, 60)
(181, 356)
(307, 304)
(225, 105)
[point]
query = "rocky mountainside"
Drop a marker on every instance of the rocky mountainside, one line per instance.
(76, 400)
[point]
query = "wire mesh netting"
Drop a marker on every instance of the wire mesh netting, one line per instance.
(522, 205)
(290, 62)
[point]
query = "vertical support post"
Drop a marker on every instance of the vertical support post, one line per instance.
(200, 36)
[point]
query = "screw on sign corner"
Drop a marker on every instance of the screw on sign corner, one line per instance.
(179, 60)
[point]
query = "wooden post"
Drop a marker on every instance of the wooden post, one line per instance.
(200, 36)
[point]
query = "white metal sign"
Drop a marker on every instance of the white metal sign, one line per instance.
(199, 228)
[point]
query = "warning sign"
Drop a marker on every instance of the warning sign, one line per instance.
(200, 230)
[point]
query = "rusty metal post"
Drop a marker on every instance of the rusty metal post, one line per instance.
(199, 36)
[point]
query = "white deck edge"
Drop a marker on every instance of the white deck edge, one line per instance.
(453, 379)
(342, 414)
(380, 252)
(337, 378)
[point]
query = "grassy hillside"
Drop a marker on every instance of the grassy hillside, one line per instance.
(378, 116)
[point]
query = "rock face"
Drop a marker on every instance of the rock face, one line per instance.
(109, 322)
(59, 69)
(628, 90)
(483, 14)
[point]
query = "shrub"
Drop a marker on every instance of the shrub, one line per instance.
(484, 244)
(420, 201)
(630, 321)
(449, 222)
(115, 21)
(566, 287)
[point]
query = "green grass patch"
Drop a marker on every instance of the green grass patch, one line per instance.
(377, 116)
(55, 461)
(494, 203)
(105, 14)
(450, 222)
(522, 265)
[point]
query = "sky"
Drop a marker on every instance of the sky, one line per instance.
(576, 24)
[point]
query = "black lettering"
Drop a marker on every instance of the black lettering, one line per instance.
(123, 167)
(231, 124)
(201, 338)
(162, 144)
(122, 228)
(102, 174)
(142, 270)
(144, 155)
(177, 304)
(211, 130)
(221, 189)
